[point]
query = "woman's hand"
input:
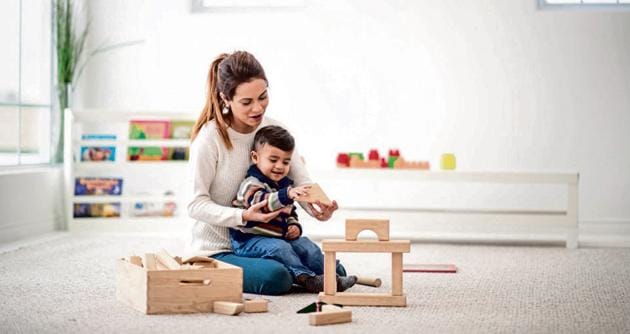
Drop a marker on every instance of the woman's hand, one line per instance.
(253, 213)
(321, 211)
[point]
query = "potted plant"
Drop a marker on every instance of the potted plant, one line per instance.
(69, 46)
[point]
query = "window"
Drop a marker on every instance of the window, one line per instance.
(585, 4)
(25, 82)
(244, 5)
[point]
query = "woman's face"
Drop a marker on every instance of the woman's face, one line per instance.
(248, 105)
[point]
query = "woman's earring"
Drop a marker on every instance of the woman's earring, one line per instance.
(225, 110)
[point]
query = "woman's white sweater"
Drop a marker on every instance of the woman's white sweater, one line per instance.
(216, 174)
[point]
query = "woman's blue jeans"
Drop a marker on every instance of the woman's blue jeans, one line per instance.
(264, 276)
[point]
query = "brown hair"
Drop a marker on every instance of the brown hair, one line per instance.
(275, 136)
(226, 73)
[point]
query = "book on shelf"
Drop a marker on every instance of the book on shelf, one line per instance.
(98, 136)
(153, 209)
(98, 153)
(96, 210)
(97, 186)
(149, 129)
(181, 129)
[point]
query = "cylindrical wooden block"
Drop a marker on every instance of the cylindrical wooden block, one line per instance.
(369, 281)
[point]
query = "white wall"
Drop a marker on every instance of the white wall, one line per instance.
(503, 85)
(32, 202)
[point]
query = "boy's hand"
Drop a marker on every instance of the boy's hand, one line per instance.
(293, 232)
(297, 192)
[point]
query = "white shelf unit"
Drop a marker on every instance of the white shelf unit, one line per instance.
(143, 181)
(521, 201)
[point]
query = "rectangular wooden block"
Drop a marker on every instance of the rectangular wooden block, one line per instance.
(255, 305)
(366, 246)
(330, 273)
(363, 299)
(177, 291)
(150, 262)
(329, 318)
(378, 226)
(228, 308)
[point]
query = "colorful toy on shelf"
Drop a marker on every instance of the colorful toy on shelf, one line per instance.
(401, 163)
(375, 160)
(448, 161)
(343, 160)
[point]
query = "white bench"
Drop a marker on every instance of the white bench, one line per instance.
(566, 218)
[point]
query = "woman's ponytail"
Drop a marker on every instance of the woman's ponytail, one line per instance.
(212, 108)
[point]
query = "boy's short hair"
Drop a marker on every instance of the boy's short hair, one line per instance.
(275, 136)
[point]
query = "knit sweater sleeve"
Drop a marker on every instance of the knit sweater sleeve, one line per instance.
(204, 155)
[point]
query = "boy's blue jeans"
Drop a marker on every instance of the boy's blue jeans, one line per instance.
(270, 264)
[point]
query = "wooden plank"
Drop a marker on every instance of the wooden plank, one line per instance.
(150, 262)
(369, 246)
(329, 318)
(167, 260)
(378, 226)
(255, 305)
(228, 308)
(397, 277)
(330, 273)
(363, 299)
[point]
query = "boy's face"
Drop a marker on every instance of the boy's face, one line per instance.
(272, 161)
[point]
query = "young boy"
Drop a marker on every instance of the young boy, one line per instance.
(279, 239)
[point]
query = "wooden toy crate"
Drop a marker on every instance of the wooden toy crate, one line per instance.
(177, 291)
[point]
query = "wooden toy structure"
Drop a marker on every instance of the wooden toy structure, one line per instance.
(351, 244)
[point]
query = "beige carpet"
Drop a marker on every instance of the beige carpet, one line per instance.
(67, 285)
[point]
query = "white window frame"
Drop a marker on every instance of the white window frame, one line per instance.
(19, 104)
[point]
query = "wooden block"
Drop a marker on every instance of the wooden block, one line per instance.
(228, 308)
(330, 273)
(255, 305)
(330, 308)
(363, 299)
(194, 259)
(397, 278)
(315, 193)
(205, 265)
(167, 260)
(135, 260)
(366, 246)
(329, 318)
(150, 262)
(356, 226)
(369, 281)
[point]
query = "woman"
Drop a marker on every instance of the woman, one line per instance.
(221, 143)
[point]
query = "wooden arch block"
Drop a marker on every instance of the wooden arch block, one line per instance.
(378, 226)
